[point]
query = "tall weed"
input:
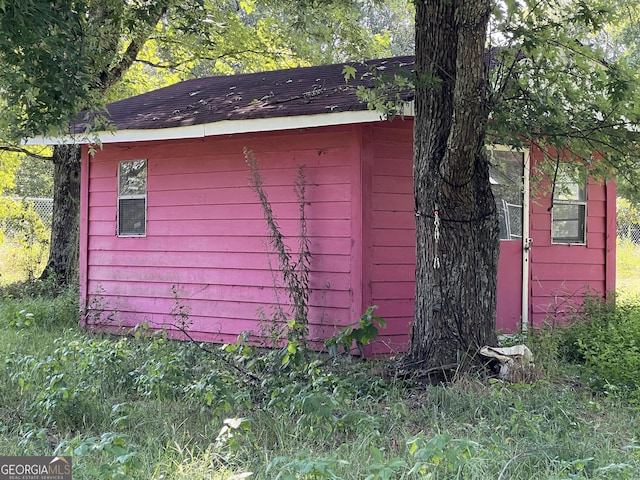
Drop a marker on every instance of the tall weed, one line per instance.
(295, 272)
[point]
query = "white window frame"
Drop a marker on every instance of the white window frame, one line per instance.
(565, 186)
(128, 196)
(524, 201)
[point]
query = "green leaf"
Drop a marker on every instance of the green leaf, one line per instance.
(348, 72)
(376, 454)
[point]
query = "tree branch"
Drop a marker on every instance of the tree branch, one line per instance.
(178, 64)
(108, 77)
(24, 151)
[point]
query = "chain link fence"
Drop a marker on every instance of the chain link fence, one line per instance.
(42, 206)
(629, 231)
(25, 228)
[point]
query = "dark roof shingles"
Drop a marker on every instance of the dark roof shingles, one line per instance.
(278, 93)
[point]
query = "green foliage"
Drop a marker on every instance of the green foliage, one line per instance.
(118, 458)
(389, 90)
(24, 240)
(234, 432)
(619, 40)
(322, 32)
(64, 382)
(383, 469)
(215, 390)
(23, 319)
(322, 401)
(627, 267)
(627, 213)
(554, 86)
(606, 340)
(442, 456)
(393, 19)
(45, 63)
(9, 164)
(56, 60)
(67, 386)
(145, 407)
(161, 374)
(54, 399)
(33, 176)
(44, 306)
(304, 465)
(349, 72)
(362, 333)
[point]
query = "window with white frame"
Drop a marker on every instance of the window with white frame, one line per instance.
(569, 212)
(132, 198)
(506, 176)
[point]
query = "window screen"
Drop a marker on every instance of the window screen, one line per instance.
(569, 213)
(506, 176)
(132, 198)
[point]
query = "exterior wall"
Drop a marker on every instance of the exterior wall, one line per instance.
(390, 247)
(391, 227)
(206, 244)
(561, 275)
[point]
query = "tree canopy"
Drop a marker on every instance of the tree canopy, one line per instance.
(554, 86)
(58, 58)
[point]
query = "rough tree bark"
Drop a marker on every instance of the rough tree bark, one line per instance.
(455, 299)
(63, 254)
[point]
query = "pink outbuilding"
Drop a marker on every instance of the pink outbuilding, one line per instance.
(170, 224)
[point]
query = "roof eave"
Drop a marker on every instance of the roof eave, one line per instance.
(225, 127)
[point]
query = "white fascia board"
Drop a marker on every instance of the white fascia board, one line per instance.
(225, 127)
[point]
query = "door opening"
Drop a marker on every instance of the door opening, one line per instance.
(510, 184)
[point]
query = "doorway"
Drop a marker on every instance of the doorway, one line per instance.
(510, 185)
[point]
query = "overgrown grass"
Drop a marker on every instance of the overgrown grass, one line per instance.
(143, 407)
(627, 270)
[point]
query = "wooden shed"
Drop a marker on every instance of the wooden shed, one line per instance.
(170, 225)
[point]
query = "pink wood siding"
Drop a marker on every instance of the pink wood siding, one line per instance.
(561, 275)
(509, 295)
(387, 168)
(206, 234)
(391, 242)
(207, 244)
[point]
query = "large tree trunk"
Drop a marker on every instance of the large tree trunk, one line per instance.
(63, 256)
(456, 275)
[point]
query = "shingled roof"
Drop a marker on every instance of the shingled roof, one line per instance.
(280, 93)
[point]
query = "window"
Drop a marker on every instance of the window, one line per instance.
(506, 177)
(569, 213)
(132, 198)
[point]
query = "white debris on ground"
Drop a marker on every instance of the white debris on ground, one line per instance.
(516, 362)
